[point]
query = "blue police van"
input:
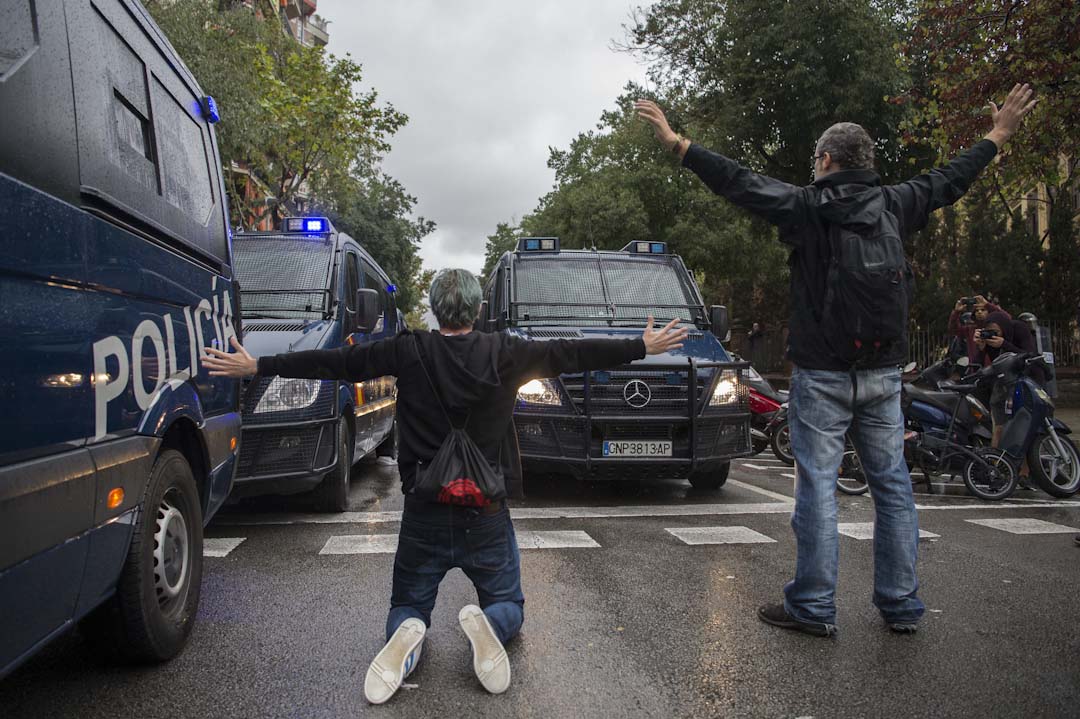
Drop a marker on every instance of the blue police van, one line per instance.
(116, 447)
(684, 414)
(309, 286)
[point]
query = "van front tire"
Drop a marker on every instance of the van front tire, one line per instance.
(332, 494)
(151, 615)
(710, 479)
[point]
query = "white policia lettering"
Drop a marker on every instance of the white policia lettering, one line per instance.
(149, 343)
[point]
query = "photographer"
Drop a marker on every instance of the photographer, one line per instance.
(968, 315)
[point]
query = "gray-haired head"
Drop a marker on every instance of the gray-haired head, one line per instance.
(849, 146)
(455, 299)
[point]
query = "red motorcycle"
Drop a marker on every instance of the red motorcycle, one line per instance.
(762, 411)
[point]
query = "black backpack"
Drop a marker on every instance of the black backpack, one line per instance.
(458, 473)
(867, 292)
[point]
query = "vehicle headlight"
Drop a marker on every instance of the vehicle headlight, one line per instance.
(284, 394)
(726, 390)
(540, 391)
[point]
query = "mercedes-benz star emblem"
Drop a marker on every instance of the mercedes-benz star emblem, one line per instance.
(636, 393)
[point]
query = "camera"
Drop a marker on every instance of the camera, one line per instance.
(989, 334)
(968, 316)
(969, 301)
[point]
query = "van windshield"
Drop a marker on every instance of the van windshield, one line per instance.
(602, 289)
(284, 277)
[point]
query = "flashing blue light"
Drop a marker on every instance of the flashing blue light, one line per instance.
(658, 248)
(306, 224)
(313, 226)
(538, 244)
(391, 289)
(209, 110)
(531, 245)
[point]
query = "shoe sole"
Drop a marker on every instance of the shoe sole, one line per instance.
(490, 662)
(388, 670)
(797, 626)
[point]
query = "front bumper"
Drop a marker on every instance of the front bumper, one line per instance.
(572, 437)
(285, 458)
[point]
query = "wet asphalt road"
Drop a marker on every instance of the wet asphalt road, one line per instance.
(641, 625)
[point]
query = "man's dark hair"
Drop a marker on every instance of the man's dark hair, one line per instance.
(849, 146)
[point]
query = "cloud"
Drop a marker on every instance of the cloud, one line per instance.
(488, 87)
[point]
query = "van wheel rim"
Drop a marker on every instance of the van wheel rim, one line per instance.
(172, 555)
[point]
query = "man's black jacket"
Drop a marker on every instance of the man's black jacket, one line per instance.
(851, 198)
(477, 373)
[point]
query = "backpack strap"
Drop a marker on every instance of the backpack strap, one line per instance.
(435, 391)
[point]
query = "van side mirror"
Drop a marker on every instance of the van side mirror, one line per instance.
(481, 323)
(368, 310)
(718, 323)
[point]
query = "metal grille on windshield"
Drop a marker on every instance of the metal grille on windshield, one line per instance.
(283, 276)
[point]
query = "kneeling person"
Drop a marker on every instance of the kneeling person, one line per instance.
(453, 378)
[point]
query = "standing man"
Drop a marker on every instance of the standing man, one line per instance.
(474, 378)
(848, 335)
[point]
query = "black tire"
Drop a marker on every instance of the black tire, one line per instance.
(332, 494)
(758, 445)
(157, 598)
(994, 483)
(851, 479)
(389, 446)
(1057, 476)
(710, 479)
(781, 444)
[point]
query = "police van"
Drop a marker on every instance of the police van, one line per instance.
(684, 414)
(309, 286)
(116, 447)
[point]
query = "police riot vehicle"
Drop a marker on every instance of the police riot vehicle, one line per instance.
(684, 414)
(116, 447)
(309, 286)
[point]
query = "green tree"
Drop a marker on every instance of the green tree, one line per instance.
(503, 240)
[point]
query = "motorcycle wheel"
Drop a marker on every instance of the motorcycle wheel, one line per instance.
(757, 446)
(781, 444)
(994, 480)
(1056, 475)
(851, 479)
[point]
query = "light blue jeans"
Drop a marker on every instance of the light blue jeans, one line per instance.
(820, 415)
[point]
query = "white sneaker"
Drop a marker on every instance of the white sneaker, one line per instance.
(490, 662)
(395, 661)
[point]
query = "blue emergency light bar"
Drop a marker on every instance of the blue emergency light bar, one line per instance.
(538, 244)
(391, 289)
(646, 248)
(209, 109)
(306, 224)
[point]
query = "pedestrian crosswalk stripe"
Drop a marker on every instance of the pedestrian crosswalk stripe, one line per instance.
(565, 539)
(718, 535)
(220, 546)
(387, 543)
(1024, 525)
(761, 467)
(865, 530)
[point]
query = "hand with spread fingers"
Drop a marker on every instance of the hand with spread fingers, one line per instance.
(1007, 117)
(667, 338)
(230, 364)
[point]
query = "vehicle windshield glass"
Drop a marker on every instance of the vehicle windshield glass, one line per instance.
(601, 289)
(284, 277)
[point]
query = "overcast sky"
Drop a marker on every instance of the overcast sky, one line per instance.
(488, 86)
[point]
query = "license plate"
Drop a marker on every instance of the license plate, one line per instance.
(637, 448)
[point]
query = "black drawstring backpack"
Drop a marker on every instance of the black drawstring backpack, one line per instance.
(458, 473)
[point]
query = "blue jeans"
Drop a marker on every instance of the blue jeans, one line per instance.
(820, 415)
(435, 538)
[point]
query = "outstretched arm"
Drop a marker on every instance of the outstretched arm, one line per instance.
(776, 201)
(354, 362)
(919, 197)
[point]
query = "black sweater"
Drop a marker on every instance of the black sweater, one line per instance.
(844, 197)
(477, 373)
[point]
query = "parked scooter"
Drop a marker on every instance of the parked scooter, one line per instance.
(1032, 431)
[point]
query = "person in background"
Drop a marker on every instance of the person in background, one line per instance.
(755, 338)
(966, 331)
(475, 377)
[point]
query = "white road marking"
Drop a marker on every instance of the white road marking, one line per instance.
(759, 490)
(980, 505)
(387, 543)
(1024, 525)
(718, 535)
(554, 540)
(220, 546)
(865, 530)
(789, 475)
(766, 469)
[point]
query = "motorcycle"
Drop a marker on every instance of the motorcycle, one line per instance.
(765, 401)
(1032, 431)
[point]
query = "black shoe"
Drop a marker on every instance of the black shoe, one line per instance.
(1077, 540)
(776, 615)
(903, 628)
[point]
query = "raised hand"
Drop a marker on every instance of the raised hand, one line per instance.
(667, 338)
(651, 113)
(230, 364)
(1007, 117)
